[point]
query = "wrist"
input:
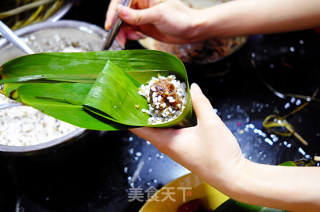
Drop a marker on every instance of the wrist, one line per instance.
(205, 24)
(228, 176)
(198, 24)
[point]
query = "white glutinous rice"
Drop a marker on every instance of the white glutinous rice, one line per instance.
(166, 98)
(24, 126)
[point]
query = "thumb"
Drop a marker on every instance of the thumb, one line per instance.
(138, 17)
(202, 106)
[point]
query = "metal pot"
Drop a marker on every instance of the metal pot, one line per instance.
(79, 29)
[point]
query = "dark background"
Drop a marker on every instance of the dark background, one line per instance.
(94, 173)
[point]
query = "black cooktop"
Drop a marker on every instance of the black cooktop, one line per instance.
(94, 173)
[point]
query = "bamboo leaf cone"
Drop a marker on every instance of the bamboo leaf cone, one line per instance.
(92, 90)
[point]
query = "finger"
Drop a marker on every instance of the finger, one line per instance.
(151, 31)
(134, 35)
(121, 38)
(157, 136)
(112, 9)
(138, 17)
(202, 106)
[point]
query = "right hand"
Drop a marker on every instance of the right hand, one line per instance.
(209, 149)
(166, 20)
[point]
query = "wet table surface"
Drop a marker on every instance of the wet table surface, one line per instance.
(96, 173)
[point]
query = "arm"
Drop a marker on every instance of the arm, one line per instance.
(245, 17)
(212, 152)
(242, 17)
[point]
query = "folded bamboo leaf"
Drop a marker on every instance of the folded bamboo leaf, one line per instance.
(69, 93)
(140, 64)
(93, 90)
(116, 94)
(65, 103)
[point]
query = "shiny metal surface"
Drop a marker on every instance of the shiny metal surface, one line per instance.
(3, 106)
(117, 22)
(13, 38)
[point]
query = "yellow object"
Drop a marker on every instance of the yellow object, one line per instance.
(184, 189)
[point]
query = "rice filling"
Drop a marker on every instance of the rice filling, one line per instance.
(166, 97)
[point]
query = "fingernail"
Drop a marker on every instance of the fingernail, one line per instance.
(125, 12)
(195, 89)
(136, 36)
(141, 36)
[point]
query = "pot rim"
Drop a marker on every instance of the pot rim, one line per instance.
(84, 26)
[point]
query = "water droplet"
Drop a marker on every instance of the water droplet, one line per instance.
(287, 105)
(274, 138)
(298, 102)
(267, 140)
(251, 126)
(301, 42)
(130, 138)
(139, 154)
(292, 49)
(302, 151)
(131, 150)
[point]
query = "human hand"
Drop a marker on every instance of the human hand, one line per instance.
(209, 149)
(165, 20)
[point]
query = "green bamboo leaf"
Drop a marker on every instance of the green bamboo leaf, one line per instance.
(59, 82)
(116, 94)
(61, 105)
(140, 64)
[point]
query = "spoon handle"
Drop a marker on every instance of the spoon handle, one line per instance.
(7, 105)
(10, 36)
(116, 24)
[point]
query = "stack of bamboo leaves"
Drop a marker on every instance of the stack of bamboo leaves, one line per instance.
(92, 90)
